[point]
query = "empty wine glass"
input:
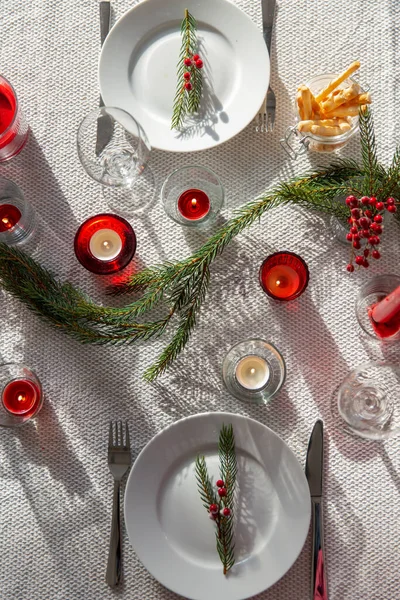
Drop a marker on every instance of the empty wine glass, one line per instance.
(114, 150)
(369, 401)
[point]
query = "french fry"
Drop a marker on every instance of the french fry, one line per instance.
(324, 126)
(364, 98)
(305, 95)
(343, 111)
(300, 106)
(336, 82)
(340, 98)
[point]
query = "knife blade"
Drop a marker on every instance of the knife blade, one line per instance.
(104, 122)
(314, 470)
(268, 12)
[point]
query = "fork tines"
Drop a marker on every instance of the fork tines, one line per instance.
(116, 437)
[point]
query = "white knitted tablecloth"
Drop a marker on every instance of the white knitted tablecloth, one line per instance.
(55, 487)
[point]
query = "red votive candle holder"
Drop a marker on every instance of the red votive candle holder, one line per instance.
(105, 244)
(13, 127)
(21, 394)
(284, 276)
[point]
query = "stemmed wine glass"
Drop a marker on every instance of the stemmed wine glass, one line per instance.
(369, 401)
(114, 150)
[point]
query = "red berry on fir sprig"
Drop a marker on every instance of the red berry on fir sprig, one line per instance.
(187, 75)
(359, 259)
(222, 492)
(188, 86)
(376, 254)
(379, 206)
(391, 208)
(350, 268)
(199, 64)
(187, 62)
(226, 512)
(196, 57)
(220, 483)
(213, 509)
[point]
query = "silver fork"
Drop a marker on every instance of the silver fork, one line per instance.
(119, 461)
(266, 117)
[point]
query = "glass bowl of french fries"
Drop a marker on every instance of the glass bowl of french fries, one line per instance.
(326, 112)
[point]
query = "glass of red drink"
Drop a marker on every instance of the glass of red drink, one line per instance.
(21, 395)
(374, 291)
(13, 126)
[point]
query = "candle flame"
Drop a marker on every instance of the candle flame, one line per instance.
(252, 370)
(107, 245)
(278, 282)
(6, 222)
(194, 202)
(21, 397)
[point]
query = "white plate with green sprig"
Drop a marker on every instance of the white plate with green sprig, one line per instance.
(138, 70)
(171, 531)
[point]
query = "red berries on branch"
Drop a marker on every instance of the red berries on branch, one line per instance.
(218, 511)
(366, 224)
(191, 62)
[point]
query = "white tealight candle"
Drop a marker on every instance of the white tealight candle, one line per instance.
(252, 372)
(105, 244)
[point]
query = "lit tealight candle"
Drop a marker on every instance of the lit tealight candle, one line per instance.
(284, 275)
(105, 244)
(194, 205)
(252, 372)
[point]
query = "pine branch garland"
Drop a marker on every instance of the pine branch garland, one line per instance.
(179, 288)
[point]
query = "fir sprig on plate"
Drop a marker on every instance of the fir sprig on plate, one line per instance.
(219, 501)
(189, 75)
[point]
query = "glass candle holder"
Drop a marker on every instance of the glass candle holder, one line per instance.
(13, 127)
(369, 401)
(21, 394)
(284, 276)
(18, 221)
(192, 196)
(105, 244)
(371, 293)
(254, 370)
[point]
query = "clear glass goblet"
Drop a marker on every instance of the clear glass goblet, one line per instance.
(369, 401)
(114, 150)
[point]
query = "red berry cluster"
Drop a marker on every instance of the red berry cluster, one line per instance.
(366, 226)
(220, 510)
(191, 62)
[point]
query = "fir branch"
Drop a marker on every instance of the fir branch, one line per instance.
(224, 533)
(187, 101)
(391, 179)
(204, 485)
(372, 170)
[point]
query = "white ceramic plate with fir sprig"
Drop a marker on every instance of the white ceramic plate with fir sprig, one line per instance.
(141, 71)
(180, 474)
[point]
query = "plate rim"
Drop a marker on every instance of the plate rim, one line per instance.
(221, 415)
(212, 143)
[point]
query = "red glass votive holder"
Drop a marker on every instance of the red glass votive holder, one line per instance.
(284, 276)
(21, 394)
(13, 126)
(105, 244)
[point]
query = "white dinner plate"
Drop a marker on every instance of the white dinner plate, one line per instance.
(138, 65)
(171, 531)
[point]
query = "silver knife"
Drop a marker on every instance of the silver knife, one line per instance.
(268, 12)
(314, 469)
(104, 123)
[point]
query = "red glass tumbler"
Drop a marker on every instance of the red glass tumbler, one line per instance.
(13, 126)
(105, 244)
(284, 276)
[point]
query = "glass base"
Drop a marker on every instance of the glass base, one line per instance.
(275, 366)
(126, 201)
(367, 401)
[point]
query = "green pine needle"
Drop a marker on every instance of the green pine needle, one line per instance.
(187, 101)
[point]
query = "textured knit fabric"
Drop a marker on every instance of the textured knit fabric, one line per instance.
(55, 487)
